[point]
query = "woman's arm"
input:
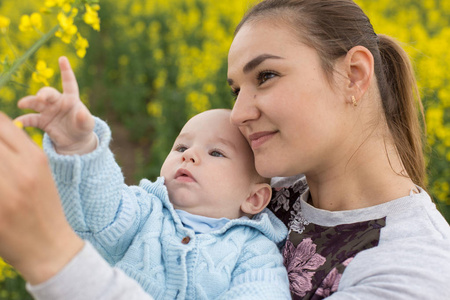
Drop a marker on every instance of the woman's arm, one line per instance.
(35, 237)
(88, 276)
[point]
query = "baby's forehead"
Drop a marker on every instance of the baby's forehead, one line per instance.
(213, 135)
(215, 126)
(217, 120)
(213, 114)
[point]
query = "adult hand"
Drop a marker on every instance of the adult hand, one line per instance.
(35, 237)
(62, 116)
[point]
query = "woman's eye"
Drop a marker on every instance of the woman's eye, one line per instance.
(265, 75)
(216, 153)
(235, 93)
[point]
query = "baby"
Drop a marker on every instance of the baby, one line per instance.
(200, 231)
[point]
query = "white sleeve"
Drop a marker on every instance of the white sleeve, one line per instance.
(416, 269)
(88, 276)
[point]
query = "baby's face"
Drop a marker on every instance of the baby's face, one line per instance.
(210, 169)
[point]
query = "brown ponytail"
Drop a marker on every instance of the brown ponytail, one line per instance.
(333, 27)
(400, 107)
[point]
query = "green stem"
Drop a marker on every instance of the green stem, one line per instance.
(4, 78)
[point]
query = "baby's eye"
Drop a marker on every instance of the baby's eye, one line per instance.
(180, 148)
(263, 76)
(216, 153)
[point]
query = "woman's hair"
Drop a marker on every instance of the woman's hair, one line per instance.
(333, 27)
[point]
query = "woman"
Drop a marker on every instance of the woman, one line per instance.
(318, 93)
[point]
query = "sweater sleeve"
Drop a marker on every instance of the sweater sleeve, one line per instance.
(97, 203)
(260, 273)
(87, 276)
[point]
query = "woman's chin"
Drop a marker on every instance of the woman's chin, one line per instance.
(268, 171)
(275, 170)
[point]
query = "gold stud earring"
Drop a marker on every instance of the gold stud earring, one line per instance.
(354, 101)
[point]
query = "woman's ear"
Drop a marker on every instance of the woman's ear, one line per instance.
(359, 68)
(258, 199)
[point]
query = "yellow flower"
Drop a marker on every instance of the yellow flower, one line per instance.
(8, 94)
(68, 29)
(64, 21)
(4, 23)
(50, 3)
(81, 44)
(74, 12)
(161, 79)
(28, 23)
(90, 17)
(18, 124)
(37, 138)
(42, 72)
(6, 271)
(25, 23)
(198, 102)
(154, 109)
(53, 3)
(66, 8)
(123, 60)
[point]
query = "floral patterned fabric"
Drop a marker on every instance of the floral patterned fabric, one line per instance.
(316, 256)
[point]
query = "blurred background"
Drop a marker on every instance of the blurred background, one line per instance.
(155, 63)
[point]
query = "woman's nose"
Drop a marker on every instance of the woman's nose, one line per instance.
(244, 109)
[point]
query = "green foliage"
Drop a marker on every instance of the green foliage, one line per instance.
(12, 286)
(423, 29)
(154, 65)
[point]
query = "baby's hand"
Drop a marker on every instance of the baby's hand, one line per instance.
(63, 117)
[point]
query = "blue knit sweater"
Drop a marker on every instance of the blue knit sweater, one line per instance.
(137, 229)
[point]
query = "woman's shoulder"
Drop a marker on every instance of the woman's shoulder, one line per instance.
(414, 266)
(415, 216)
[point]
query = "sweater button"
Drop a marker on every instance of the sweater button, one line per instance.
(186, 240)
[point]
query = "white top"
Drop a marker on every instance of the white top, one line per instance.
(396, 250)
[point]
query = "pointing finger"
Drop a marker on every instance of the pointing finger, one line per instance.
(69, 81)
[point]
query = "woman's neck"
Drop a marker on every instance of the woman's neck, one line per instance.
(372, 175)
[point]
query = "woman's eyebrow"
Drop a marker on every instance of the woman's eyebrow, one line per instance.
(251, 65)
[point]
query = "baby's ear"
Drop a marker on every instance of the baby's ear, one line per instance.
(258, 199)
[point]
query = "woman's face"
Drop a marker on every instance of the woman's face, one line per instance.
(286, 108)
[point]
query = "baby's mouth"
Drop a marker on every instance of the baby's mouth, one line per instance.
(184, 175)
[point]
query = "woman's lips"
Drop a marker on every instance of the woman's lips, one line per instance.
(184, 176)
(258, 138)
